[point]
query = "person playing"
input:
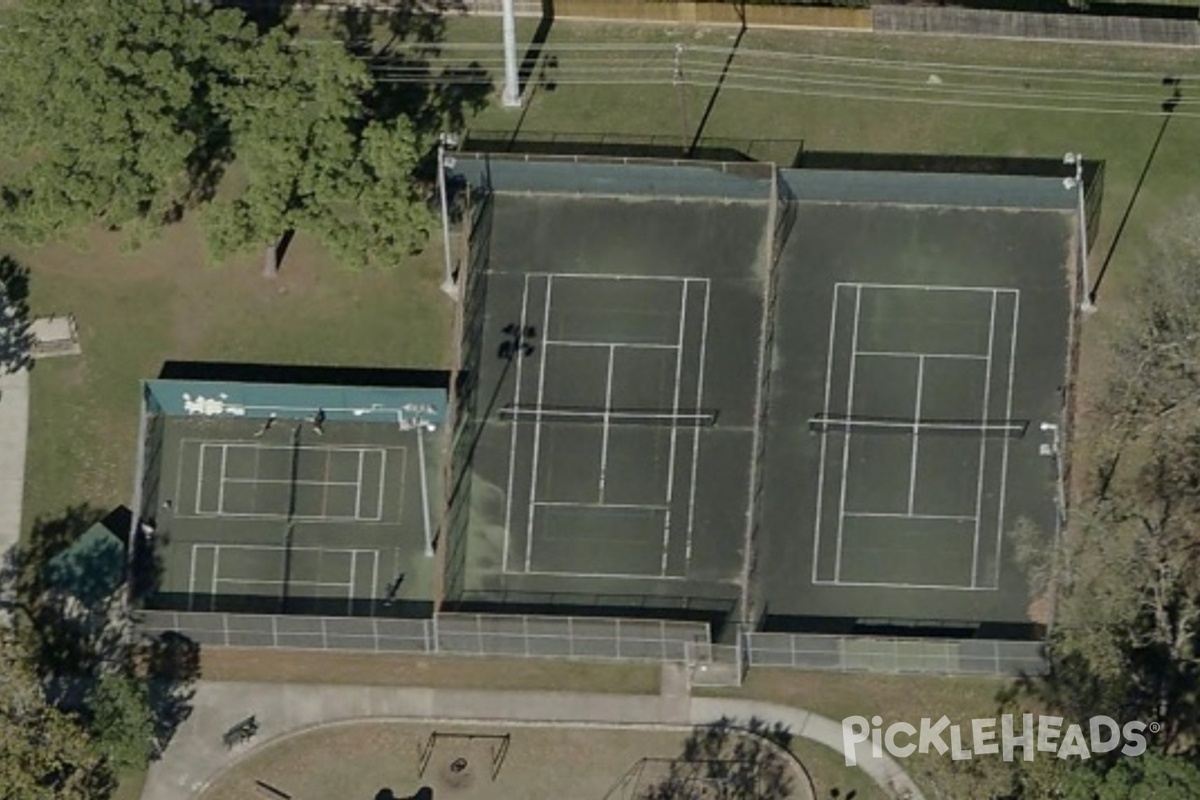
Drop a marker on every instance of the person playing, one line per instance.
(318, 422)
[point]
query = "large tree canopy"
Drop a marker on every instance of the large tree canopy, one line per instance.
(107, 103)
(130, 112)
(43, 751)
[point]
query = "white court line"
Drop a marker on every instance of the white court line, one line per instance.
(199, 473)
(948, 587)
(1012, 364)
(537, 427)
(241, 444)
(619, 506)
(687, 553)
(926, 287)
(192, 578)
(383, 484)
(603, 276)
(825, 411)
(912, 475)
(298, 481)
(270, 582)
(637, 576)
(358, 482)
(900, 354)
(987, 402)
(666, 541)
(638, 345)
(837, 559)
(891, 515)
(216, 569)
(425, 516)
(512, 444)
(374, 583)
(608, 390)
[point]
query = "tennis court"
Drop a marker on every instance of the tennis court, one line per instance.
(271, 508)
(607, 468)
(927, 348)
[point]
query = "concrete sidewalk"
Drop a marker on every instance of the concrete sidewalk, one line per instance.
(14, 435)
(196, 755)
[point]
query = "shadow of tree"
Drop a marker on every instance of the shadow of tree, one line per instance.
(728, 759)
(401, 46)
(75, 629)
(16, 336)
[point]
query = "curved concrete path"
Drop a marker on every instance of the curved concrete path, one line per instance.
(196, 755)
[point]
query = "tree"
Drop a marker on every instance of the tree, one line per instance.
(1126, 637)
(121, 721)
(44, 752)
(310, 159)
(107, 102)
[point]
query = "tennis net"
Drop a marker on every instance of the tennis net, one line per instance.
(611, 416)
(988, 428)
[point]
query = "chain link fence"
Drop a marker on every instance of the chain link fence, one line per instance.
(587, 638)
(926, 656)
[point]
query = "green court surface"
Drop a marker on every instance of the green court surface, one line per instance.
(926, 349)
(602, 473)
(292, 518)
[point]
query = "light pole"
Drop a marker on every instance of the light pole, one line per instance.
(1077, 183)
(443, 163)
(511, 96)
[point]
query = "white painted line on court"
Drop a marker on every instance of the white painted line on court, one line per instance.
(358, 484)
(635, 576)
(637, 345)
(375, 580)
(275, 583)
(837, 559)
(537, 426)
(947, 587)
(608, 391)
(192, 578)
(199, 475)
(598, 276)
(383, 483)
(901, 354)
(216, 569)
(425, 516)
(1012, 364)
(895, 515)
(687, 559)
(825, 412)
(926, 287)
(617, 506)
(666, 541)
(916, 432)
(984, 414)
(298, 481)
(512, 442)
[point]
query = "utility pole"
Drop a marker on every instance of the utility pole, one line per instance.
(511, 97)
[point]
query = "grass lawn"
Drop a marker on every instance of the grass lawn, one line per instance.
(362, 760)
(130, 785)
(165, 301)
(442, 673)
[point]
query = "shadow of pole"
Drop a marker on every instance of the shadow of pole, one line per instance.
(1168, 107)
(712, 100)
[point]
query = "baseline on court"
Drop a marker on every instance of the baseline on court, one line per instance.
(915, 435)
(308, 483)
(607, 423)
(352, 573)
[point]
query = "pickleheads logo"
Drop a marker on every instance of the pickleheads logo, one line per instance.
(991, 737)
